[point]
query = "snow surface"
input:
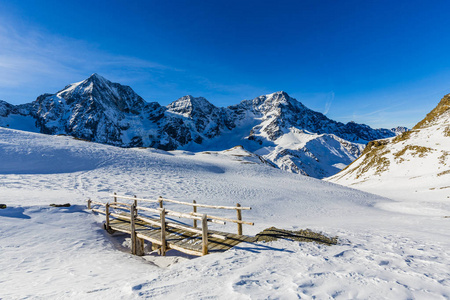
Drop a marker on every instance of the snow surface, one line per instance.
(54, 253)
(420, 181)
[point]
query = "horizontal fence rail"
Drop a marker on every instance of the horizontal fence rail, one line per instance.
(133, 213)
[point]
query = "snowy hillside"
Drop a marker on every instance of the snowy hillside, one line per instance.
(54, 253)
(412, 166)
(275, 126)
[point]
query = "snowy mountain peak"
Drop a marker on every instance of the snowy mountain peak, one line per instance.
(188, 106)
(96, 76)
(99, 91)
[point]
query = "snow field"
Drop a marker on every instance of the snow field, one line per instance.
(54, 253)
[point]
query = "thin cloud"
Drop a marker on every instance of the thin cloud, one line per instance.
(33, 60)
(328, 103)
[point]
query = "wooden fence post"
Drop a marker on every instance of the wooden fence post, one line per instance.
(204, 235)
(160, 200)
(89, 203)
(163, 232)
(115, 198)
(135, 202)
(133, 230)
(195, 210)
(107, 216)
(239, 217)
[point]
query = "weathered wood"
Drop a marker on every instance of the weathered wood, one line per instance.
(97, 203)
(180, 240)
(89, 203)
(133, 198)
(140, 246)
(194, 230)
(149, 220)
(115, 197)
(155, 246)
(183, 203)
(120, 216)
(204, 235)
(133, 231)
(172, 235)
(225, 219)
(125, 209)
(207, 205)
(179, 226)
(120, 204)
(239, 217)
(189, 216)
(153, 210)
(98, 211)
(195, 211)
(107, 216)
(163, 232)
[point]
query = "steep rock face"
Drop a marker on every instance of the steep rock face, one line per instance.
(201, 116)
(94, 109)
(416, 163)
(278, 112)
(276, 127)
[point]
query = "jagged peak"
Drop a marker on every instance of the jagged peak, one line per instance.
(279, 93)
(193, 100)
(277, 100)
(97, 79)
(87, 84)
(97, 76)
(188, 104)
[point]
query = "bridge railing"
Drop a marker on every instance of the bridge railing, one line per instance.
(131, 214)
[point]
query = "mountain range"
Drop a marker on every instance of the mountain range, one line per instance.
(276, 127)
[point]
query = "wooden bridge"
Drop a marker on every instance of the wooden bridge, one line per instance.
(149, 224)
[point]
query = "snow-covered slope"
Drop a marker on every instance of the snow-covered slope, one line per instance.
(55, 253)
(275, 126)
(411, 166)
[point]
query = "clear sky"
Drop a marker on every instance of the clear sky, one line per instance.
(382, 63)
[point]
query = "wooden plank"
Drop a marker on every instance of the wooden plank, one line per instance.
(181, 202)
(153, 210)
(133, 198)
(120, 204)
(206, 205)
(181, 240)
(225, 219)
(98, 211)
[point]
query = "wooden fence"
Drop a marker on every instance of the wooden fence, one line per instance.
(139, 215)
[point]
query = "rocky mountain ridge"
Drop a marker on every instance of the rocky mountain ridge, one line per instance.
(275, 126)
(416, 163)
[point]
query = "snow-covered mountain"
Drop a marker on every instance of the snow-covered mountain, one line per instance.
(275, 126)
(413, 165)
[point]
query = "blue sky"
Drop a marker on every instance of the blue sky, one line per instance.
(382, 63)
